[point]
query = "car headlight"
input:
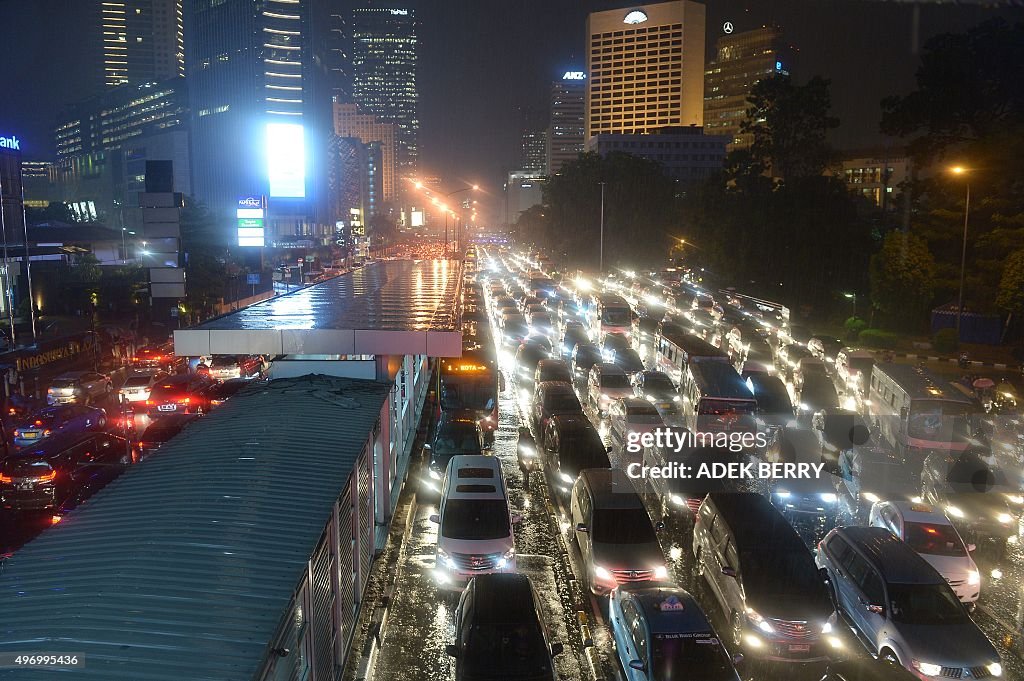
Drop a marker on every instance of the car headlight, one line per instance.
(650, 398)
(604, 396)
(566, 478)
(870, 497)
(828, 497)
(436, 475)
(601, 573)
(927, 668)
(760, 621)
(527, 451)
(995, 669)
(826, 628)
(954, 511)
(676, 398)
(973, 578)
(1015, 499)
(677, 500)
(1004, 518)
(661, 572)
(782, 494)
(804, 406)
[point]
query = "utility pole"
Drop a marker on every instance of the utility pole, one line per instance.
(7, 264)
(963, 263)
(600, 267)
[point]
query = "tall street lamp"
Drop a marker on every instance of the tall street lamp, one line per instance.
(600, 267)
(852, 296)
(471, 188)
(960, 170)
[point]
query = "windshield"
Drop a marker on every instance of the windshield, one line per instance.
(476, 519)
(623, 526)
(616, 316)
(780, 573)
(938, 420)
(457, 438)
(676, 656)
(933, 540)
(926, 604)
(562, 402)
(614, 381)
(772, 397)
(475, 391)
(506, 651)
(658, 383)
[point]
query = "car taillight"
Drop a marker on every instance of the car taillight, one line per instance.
(47, 432)
(55, 519)
(47, 477)
(38, 423)
(185, 400)
(149, 402)
(5, 478)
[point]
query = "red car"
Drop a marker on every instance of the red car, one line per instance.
(180, 394)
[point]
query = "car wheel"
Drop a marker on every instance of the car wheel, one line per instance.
(890, 657)
(736, 627)
(101, 422)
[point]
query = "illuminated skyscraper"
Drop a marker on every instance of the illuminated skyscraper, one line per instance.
(645, 67)
(742, 59)
(349, 122)
(261, 108)
(140, 41)
(384, 52)
(568, 120)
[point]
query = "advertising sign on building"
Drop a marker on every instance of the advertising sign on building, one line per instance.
(251, 213)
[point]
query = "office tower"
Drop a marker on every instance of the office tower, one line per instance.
(646, 68)
(568, 120)
(384, 51)
(261, 109)
(534, 152)
(742, 59)
(349, 122)
(139, 41)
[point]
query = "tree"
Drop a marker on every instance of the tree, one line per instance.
(1011, 286)
(903, 279)
(789, 124)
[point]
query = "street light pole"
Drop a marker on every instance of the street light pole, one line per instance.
(446, 234)
(600, 267)
(963, 263)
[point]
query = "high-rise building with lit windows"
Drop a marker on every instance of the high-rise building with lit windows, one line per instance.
(645, 68)
(140, 41)
(350, 122)
(741, 60)
(384, 52)
(261, 109)
(568, 120)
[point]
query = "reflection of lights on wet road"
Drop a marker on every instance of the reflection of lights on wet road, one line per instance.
(997, 573)
(675, 553)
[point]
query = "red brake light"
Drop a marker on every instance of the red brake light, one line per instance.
(47, 477)
(185, 400)
(55, 519)
(38, 423)
(5, 478)
(149, 402)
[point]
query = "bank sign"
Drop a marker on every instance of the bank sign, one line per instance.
(10, 142)
(250, 214)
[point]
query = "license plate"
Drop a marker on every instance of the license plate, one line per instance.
(665, 405)
(30, 435)
(167, 407)
(799, 647)
(25, 486)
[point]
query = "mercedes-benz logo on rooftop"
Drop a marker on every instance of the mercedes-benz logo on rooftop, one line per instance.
(727, 27)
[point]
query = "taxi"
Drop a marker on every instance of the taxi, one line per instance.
(931, 535)
(660, 633)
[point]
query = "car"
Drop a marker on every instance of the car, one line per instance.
(867, 475)
(551, 398)
(58, 420)
(973, 494)
(573, 334)
(552, 370)
(684, 494)
(45, 477)
(618, 543)
(657, 388)
(500, 623)
(180, 394)
(527, 356)
(137, 386)
(774, 409)
(572, 444)
(529, 301)
(80, 387)
(865, 670)
(929, 532)
(457, 432)
(838, 430)
(540, 322)
(154, 357)
(475, 524)
(612, 343)
(853, 371)
(763, 578)
(160, 431)
(825, 347)
(817, 393)
(900, 608)
(660, 632)
(584, 356)
(629, 360)
(631, 417)
(606, 383)
(514, 329)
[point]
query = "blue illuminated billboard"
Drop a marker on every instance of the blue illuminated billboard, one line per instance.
(286, 160)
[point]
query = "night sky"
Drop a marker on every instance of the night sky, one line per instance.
(483, 60)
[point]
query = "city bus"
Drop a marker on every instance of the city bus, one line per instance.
(675, 348)
(472, 382)
(716, 399)
(611, 314)
(916, 412)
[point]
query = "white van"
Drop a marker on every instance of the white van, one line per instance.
(474, 534)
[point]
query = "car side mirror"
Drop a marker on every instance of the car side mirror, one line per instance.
(637, 665)
(556, 649)
(452, 650)
(971, 548)
(580, 527)
(876, 609)
(728, 571)
(737, 659)
(435, 518)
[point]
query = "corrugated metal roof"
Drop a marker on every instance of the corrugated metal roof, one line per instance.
(183, 567)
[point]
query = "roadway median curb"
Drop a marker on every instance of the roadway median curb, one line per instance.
(951, 360)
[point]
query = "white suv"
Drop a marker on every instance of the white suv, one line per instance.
(930, 533)
(475, 534)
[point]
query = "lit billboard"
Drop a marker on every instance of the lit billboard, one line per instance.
(286, 160)
(250, 215)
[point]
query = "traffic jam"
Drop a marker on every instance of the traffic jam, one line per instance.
(92, 426)
(643, 477)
